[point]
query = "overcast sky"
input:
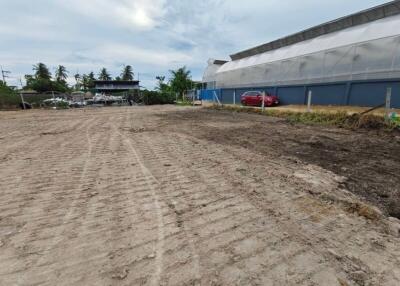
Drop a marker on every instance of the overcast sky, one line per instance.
(153, 36)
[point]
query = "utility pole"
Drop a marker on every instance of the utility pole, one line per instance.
(4, 74)
(20, 94)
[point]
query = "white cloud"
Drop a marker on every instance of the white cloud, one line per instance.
(112, 52)
(152, 35)
(134, 14)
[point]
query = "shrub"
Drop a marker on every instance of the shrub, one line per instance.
(8, 97)
(155, 97)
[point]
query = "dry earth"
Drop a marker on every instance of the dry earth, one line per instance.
(184, 196)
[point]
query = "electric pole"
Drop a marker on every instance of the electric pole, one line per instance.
(4, 74)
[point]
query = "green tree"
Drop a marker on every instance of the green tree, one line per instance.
(127, 73)
(61, 74)
(29, 80)
(161, 85)
(41, 80)
(41, 71)
(91, 79)
(104, 75)
(180, 80)
(8, 96)
(85, 81)
(78, 81)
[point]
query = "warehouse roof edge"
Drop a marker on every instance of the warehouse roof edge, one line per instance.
(379, 12)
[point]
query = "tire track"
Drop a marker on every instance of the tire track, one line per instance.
(60, 233)
(160, 223)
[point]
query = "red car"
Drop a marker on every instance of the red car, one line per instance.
(255, 98)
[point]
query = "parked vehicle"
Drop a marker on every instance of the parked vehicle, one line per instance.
(255, 98)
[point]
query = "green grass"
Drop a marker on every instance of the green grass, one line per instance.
(184, 103)
(339, 119)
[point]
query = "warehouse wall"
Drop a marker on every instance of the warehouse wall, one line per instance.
(355, 93)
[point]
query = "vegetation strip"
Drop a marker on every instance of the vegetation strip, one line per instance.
(340, 119)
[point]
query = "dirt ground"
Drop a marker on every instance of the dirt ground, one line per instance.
(189, 196)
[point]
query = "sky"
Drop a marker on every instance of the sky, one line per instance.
(154, 36)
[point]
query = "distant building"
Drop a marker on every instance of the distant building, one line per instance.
(29, 92)
(77, 96)
(110, 86)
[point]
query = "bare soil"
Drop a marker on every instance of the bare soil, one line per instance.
(188, 196)
(368, 159)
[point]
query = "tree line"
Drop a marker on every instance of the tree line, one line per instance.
(42, 80)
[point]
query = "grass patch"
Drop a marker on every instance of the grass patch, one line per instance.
(184, 103)
(340, 119)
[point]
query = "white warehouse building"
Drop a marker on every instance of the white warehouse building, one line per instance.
(348, 61)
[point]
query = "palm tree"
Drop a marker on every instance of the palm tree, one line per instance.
(181, 80)
(77, 77)
(104, 75)
(127, 73)
(41, 71)
(91, 80)
(161, 85)
(61, 74)
(85, 81)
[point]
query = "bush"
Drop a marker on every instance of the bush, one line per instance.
(155, 97)
(8, 97)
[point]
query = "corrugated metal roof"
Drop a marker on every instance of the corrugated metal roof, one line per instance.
(219, 62)
(386, 10)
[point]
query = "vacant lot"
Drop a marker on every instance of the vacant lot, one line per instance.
(184, 196)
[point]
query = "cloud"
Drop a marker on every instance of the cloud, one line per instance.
(153, 36)
(138, 14)
(113, 52)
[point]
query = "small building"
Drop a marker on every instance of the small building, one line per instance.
(111, 86)
(28, 92)
(78, 96)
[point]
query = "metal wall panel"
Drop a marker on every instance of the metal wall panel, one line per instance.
(291, 95)
(328, 94)
(373, 94)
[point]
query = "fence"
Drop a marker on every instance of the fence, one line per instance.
(353, 93)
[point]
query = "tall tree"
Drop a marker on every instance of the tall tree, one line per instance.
(91, 79)
(61, 74)
(181, 80)
(78, 81)
(85, 81)
(41, 71)
(161, 85)
(41, 80)
(104, 75)
(127, 73)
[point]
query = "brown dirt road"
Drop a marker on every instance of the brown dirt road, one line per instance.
(171, 196)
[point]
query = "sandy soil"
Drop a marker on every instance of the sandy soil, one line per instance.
(185, 196)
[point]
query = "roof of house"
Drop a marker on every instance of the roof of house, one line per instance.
(117, 82)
